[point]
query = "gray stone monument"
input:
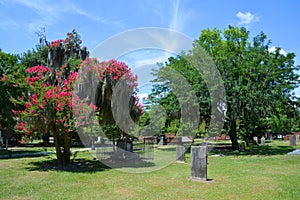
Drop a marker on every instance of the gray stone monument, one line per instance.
(99, 139)
(199, 163)
(255, 140)
(263, 141)
(6, 144)
(292, 140)
(1, 140)
(161, 140)
(298, 138)
(93, 145)
(180, 154)
(243, 145)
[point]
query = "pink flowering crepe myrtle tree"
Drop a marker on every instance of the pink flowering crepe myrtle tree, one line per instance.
(51, 107)
(47, 108)
(49, 103)
(108, 91)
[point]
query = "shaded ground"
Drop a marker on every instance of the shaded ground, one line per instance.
(271, 148)
(79, 165)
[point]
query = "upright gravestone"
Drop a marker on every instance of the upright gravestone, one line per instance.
(99, 139)
(292, 140)
(298, 138)
(199, 163)
(255, 140)
(180, 154)
(6, 144)
(1, 140)
(161, 140)
(243, 145)
(263, 141)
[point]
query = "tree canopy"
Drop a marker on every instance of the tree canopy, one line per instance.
(48, 102)
(259, 83)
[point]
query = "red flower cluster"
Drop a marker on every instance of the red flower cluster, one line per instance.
(3, 77)
(36, 73)
(37, 69)
(56, 43)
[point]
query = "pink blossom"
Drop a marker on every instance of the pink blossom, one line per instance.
(3, 77)
(93, 106)
(21, 126)
(28, 105)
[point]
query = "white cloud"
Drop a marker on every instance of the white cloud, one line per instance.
(49, 13)
(152, 61)
(179, 16)
(246, 18)
(273, 50)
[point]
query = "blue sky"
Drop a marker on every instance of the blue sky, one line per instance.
(96, 21)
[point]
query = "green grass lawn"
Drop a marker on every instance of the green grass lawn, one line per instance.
(258, 173)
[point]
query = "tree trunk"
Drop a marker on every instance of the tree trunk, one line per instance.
(59, 155)
(66, 152)
(233, 136)
(46, 141)
(63, 157)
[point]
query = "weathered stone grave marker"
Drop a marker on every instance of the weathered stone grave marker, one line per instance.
(298, 138)
(243, 145)
(99, 139)
(180, 154)
(161, 140)
(255, 140)
(199, 163)
(292, 140)
(263, 141)
(1, 140)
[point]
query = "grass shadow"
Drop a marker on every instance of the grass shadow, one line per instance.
(89, 164)
(266, 150)
(79, 165)
(127, 160)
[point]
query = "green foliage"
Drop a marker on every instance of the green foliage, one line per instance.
(34, 57)
(177, 91)
(151, 123)
(9, 64)
(259, 83)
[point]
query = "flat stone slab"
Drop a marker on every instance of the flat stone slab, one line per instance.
(295, 152)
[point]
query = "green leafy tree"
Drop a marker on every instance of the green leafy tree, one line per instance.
(9, 64)
(257, 81)
(35, 57)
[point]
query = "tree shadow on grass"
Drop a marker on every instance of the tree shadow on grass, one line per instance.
(266, 150)
(127, 160)
(79, 165)
(84, 165)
